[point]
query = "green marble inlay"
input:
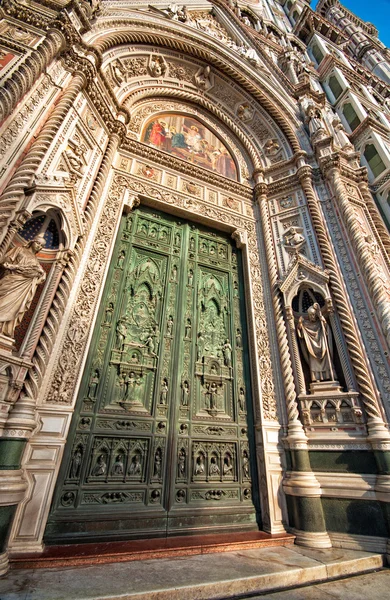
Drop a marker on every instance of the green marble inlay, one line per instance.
(11, 453)
(305, 514)
(349, 461)
(359, 517)
(6, 517)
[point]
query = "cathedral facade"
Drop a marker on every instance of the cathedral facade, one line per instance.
(195, 291)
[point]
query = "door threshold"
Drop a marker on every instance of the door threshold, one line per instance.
(109, 552)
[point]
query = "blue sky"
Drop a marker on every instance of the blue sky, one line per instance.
(374, 11)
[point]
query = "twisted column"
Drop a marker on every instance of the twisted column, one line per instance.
(295, 429)
(22, 178)
(375, 423)
(369, 270)
(29, 71)
(300, 484)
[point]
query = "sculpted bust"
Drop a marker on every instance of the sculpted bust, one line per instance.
(23, 274)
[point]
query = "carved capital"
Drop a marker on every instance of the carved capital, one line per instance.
(63, 258)
(304, 173)
(261, 190)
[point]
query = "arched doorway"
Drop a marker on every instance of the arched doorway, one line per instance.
(161, 441)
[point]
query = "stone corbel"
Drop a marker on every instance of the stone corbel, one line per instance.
(130, 201)
(240, 237)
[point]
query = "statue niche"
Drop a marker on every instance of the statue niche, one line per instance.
(316, 345)
(22, 275)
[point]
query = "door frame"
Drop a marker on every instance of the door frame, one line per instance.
(121, 193)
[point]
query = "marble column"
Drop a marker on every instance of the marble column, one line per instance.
(300, 484)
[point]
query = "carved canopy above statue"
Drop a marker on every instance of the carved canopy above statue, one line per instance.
(189, 139)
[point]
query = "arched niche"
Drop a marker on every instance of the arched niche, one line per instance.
(49, 225)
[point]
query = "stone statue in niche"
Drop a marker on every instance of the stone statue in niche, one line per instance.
(121, 259)
(93, 384)
(200, 346)
(150, 343)
(315, 337)
(135, 465)
(75, 466)
(185, 393)
(314, 121)
(212, 391)
(157, 66)
(341, 137)
(190, 277)
(214, 468)
(100, 467)
(118, 467)
(23, 274)
(239, 338)
(118, 72)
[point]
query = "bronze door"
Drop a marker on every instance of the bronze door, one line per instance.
(160, 442)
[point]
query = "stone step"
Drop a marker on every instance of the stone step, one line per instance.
(124, 551)
(198, 577)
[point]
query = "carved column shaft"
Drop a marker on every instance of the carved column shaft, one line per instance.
(288, 377)
(29, 71)
(367, 263)
(295, 349)
(356, 353)
(13, 194)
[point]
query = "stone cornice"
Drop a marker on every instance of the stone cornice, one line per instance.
(310, 22)
(369, 124)
(172, 162)
(358, 74)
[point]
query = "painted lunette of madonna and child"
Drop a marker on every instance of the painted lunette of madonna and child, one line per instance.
(190, 140)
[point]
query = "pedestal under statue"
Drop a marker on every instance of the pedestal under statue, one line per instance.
(23, 274)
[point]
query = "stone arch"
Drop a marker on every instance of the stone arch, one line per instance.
(121, 32)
